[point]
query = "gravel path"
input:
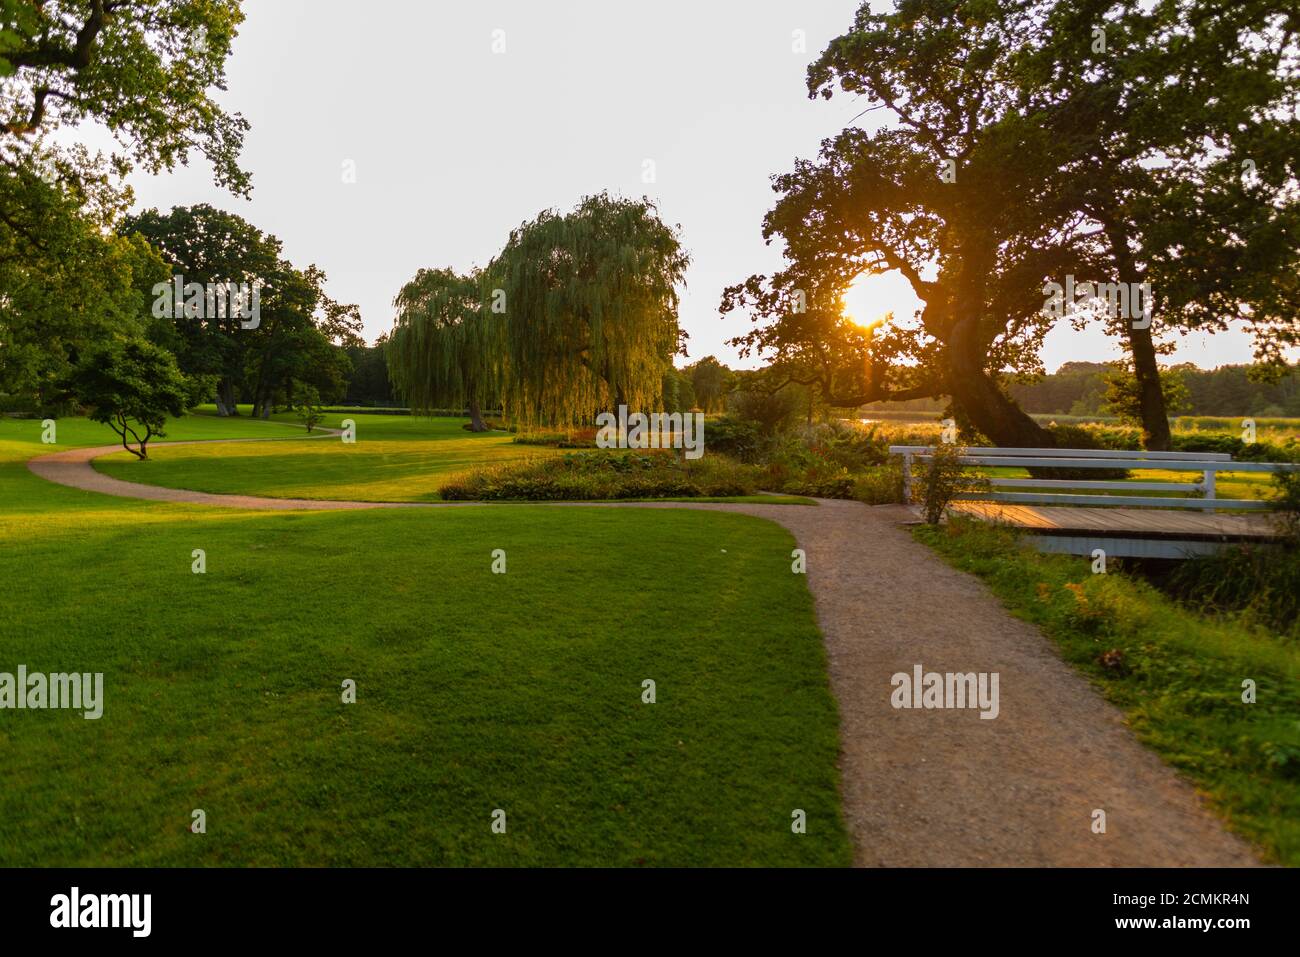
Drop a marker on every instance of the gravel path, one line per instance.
(924, 787)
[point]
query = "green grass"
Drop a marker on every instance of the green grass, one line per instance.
(395, 458)
(1178, 675)
(476, 691)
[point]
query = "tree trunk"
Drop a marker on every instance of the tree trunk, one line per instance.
(226, 404)
(982, 400)
(476, 423)
(1151, 397)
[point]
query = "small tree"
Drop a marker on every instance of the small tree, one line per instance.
(131, 386)
(308, 406)
(943, 478)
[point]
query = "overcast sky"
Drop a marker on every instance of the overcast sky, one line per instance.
(454, 144)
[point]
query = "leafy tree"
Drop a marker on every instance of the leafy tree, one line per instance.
(144, 69)
(308, 407)
(997, 101)
(939, 199)
(369, 384)
(66, 280)
(131, 386)
(1159, 119)
(443, 349)
(712, 381)
(301, 330)
(590, 309)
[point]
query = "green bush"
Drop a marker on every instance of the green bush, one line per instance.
(734, 437)
(1234, 446)
(942, 478)
(1090, 437)
(840, 486)
(602, 475)
(881, 485)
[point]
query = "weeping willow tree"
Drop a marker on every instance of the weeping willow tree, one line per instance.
(588, 310)
(443, 350)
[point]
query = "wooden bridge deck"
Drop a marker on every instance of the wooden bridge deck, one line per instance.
(1138, 532)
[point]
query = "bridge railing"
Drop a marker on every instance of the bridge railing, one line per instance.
(1037, 491)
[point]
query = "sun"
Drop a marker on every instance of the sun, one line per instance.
(870, 298)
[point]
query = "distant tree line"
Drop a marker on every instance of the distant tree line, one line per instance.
(1081, 388)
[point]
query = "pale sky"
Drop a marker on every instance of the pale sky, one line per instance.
(454, 144)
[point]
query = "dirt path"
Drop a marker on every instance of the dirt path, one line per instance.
(924, 787)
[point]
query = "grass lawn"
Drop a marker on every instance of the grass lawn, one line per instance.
(1176, 674)
(396, 458)
(475, 691)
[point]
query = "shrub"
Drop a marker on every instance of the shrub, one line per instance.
(1090, 437)
(942, 478)
(882, 485)
(600, 475)
(1234, 446)
(734, 437)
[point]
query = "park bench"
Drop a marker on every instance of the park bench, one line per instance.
(1084, 492)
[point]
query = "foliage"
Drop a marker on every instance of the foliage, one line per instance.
(1286, 502)
(730, 435)
(145, 70)
(1122, 398)
(771, 412)
(369, 385)
(1231, 391)
(302, 332)
(590, 310)
(1260, 584)
(131, 386)
(66, 281)
(308, 407)
(1133, 155)
(443, 349)
(941, 478)
(879, 485)
(711, 381)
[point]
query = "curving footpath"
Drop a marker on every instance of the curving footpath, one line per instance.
(921, 787)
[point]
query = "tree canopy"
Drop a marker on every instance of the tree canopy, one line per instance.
(576, 315)
(132, 386)
(443, 349)
(1020, 154)
(589, 302)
